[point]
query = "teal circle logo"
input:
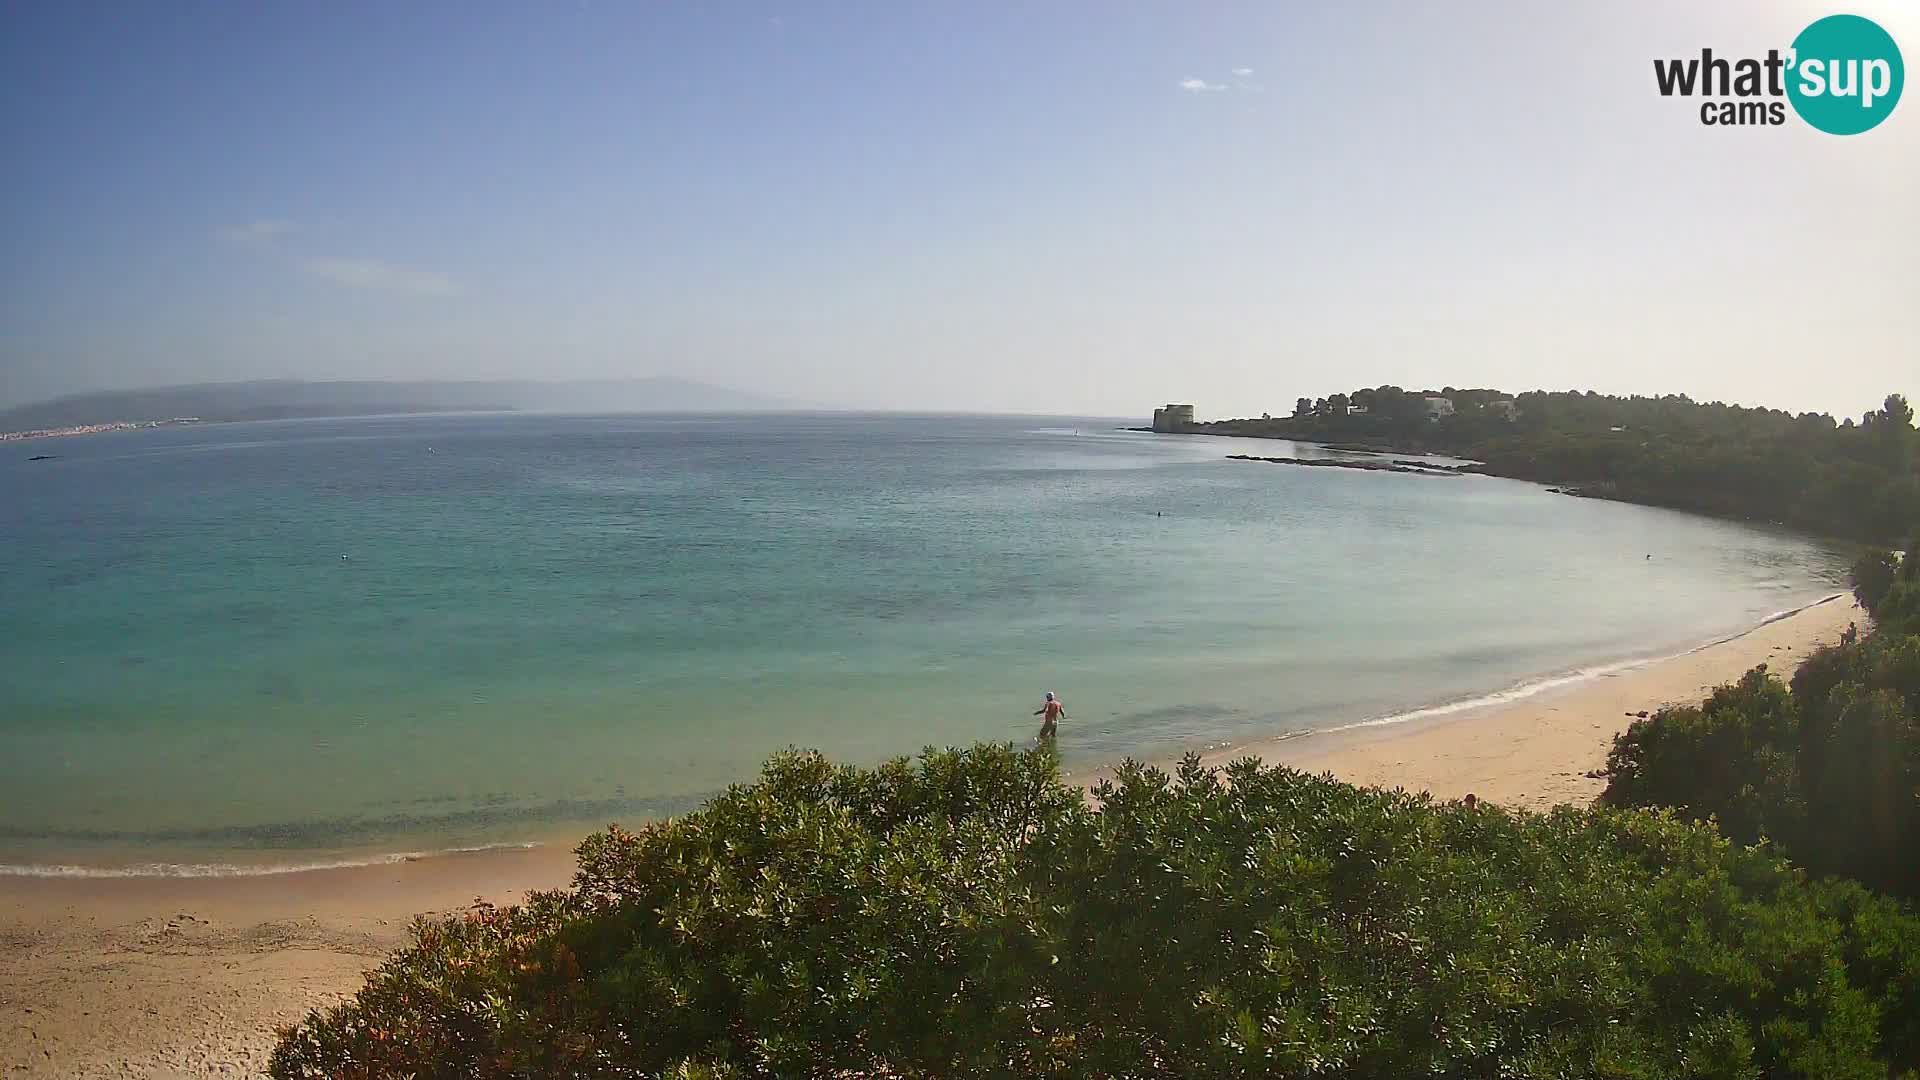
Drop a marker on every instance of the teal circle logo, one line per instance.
(1846, 74)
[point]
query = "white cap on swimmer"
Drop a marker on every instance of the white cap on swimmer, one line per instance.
(1049, 695)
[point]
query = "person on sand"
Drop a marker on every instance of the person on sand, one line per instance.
(1052, 711)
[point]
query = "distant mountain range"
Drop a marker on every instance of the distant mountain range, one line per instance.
(279, 399)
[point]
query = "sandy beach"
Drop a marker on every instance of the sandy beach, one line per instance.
(1540, 751)
(160, 977)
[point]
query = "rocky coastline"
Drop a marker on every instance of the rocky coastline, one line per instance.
(1397, 466)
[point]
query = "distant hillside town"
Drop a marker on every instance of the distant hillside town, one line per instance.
(91, 429)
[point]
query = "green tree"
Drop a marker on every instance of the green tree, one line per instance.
(1806, 471)
(1873, 574)
(1731, 758)
(972, 917)
(1829, 768)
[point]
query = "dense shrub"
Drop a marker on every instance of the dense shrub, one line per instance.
(1730, 758)
(1829, 768)
(1873, 574)
(971, 916)
(1900, 607)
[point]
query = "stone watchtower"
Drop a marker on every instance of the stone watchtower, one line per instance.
(1169, 418)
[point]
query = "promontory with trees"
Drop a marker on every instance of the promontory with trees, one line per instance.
(1738, 906)
(1847, 478)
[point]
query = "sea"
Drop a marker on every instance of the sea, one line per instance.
(245, 648)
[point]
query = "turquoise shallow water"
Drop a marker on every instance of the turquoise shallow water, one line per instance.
(268, 644)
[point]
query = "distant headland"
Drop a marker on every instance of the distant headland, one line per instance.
(1857, 479)
(281, 399)
(90, 429)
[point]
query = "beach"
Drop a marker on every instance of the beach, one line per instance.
(1544, 750)
(166, 977)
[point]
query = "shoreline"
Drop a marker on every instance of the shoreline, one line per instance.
(101, 428)
(225, 871)
(1524, 710)
(564, 837)
(197, 971)
(1545, 748)
(1576, 489)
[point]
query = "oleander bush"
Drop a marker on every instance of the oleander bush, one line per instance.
(969, 915)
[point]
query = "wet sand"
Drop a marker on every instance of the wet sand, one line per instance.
(188, 977)
(1545, 750)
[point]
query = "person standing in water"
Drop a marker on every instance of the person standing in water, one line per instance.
(1052, 711)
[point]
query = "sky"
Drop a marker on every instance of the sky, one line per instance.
(1068, 208)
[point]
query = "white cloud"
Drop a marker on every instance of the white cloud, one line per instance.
(256, 232)
(1199, 86)
(368, 274)
(1244, 73)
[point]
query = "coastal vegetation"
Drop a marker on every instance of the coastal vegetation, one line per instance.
(1854, 479)
(970, 915)
(1740, 904)
(1826, 765)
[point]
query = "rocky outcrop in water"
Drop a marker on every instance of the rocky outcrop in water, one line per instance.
(1415, 467)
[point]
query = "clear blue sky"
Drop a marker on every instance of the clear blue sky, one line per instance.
(962, 206)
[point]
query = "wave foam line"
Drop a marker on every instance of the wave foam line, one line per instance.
(1515, 693)
(1540, 686)
(229, 870)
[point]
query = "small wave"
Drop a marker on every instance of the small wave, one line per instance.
(491, 817)
(1535, 687)
(1792, 611)
(1500, 697)
(1773, 618)
(228, 870)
